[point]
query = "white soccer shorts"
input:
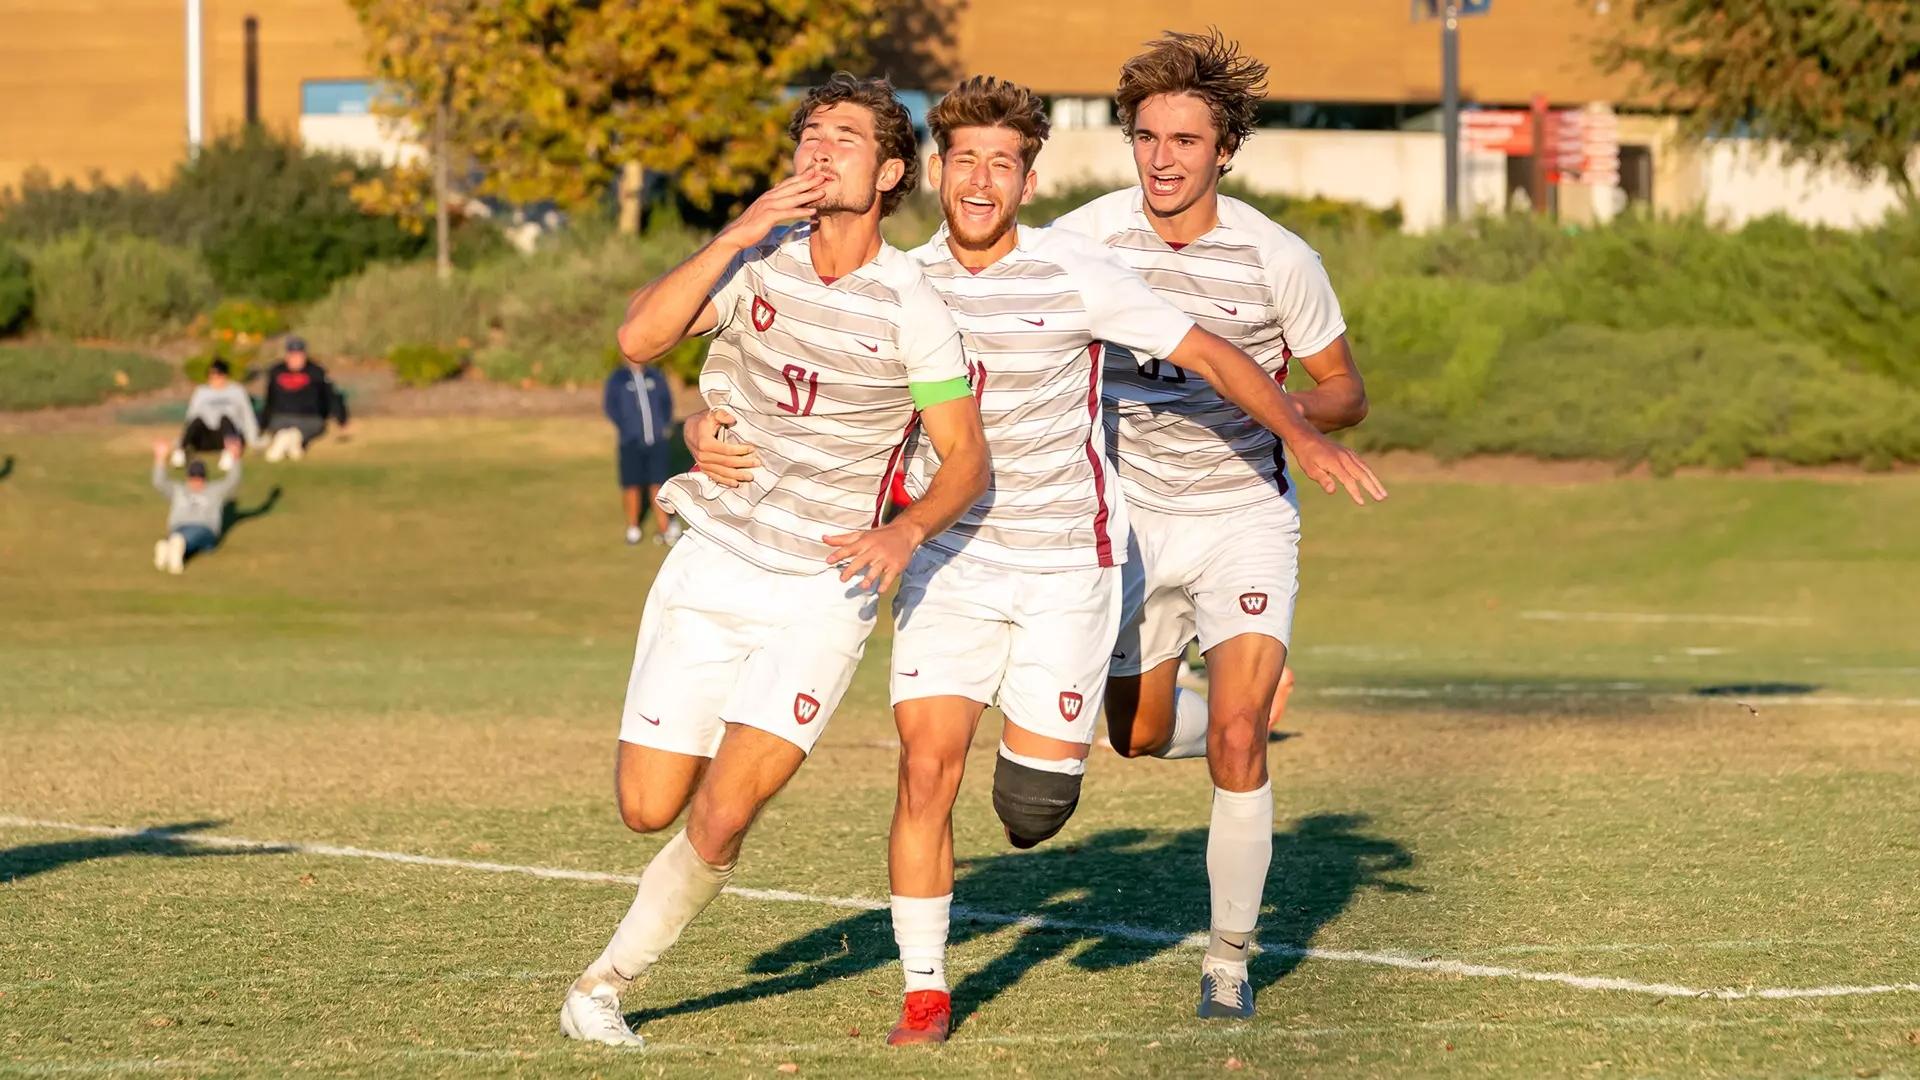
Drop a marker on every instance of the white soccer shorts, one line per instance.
(1036, 643)
(1214, 576)
(724, 641)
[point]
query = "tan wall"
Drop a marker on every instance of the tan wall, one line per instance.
(101, 84)
(1347, 50)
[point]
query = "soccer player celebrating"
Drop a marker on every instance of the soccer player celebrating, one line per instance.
(1215, 522)
(1018, 604)
(828, 343)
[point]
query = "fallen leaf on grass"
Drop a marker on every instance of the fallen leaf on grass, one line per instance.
(308, 879)
(1235, 1063)
(159, 1021)
(789, 1067)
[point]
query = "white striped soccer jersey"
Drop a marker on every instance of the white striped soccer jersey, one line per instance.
(1179, 447)
(1034, 324)
(818, 375)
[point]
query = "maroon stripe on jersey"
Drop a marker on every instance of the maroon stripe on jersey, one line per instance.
(887, 475)
(1103, 543)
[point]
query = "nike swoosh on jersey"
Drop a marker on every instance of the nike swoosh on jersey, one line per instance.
(1033, 322)
(649, 719)
(914, 674)
(869, 348)
(1228, 310)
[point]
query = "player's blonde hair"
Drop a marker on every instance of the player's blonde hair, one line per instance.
(1209, 67)
(986, 101)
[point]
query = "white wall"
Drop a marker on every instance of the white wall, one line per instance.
(1378, 168)
(1747, 179)
(361, 135)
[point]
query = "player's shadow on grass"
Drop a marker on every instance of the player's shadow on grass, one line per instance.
(233, 513)
(1117, 898)
(6, 467)
(169, 841)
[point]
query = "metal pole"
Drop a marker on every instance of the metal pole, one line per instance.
(252, 75)
(1450, 104)
(193, 78)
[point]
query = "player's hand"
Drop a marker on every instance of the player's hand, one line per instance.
(730, 464)
(161, 450)
(877, 556)
(1332, 466)
(234, 446)
(791, 199)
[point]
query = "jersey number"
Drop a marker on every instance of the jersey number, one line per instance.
(797, 377)
(1157, 369)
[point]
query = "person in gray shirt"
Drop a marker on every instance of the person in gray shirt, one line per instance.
(219, 414)
(196, 509)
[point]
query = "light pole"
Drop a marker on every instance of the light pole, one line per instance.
(1450, 103)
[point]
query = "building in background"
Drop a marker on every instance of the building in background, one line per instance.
(104, 87)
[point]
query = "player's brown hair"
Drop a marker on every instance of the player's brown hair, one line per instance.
(1209, 67)
(986, 101)
(892, 126)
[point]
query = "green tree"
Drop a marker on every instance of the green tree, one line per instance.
(1836, 81)
(551, 99)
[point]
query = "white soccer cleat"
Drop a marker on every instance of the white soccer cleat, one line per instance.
(675, 530)
(1225, 992)
(176, 553)
(177, 459)
(633, 534)
(296, 444)
(596, 1018)
(160, 556)
(275, 450)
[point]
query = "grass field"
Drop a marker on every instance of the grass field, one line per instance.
(1564, 754)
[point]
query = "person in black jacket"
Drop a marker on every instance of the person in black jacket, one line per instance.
(300, 401)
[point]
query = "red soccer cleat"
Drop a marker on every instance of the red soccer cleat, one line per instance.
(925, 1018)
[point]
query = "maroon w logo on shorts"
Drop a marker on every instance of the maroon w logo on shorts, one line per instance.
(804, 709)
(1253, 603)
(762, 314)
(1070, 703)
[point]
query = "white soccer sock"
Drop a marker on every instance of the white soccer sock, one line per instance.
(1239, 850)
(674, 888)
(1063, 766)
(920, 930)
(1189, 726)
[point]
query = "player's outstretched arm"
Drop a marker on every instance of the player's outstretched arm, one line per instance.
(879, 556)
(1338, 399)
(1238, 379)
(677, 304)
(729, 462)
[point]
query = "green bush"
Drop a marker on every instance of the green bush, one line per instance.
(387, 305)
(560, 309)
(271, 218)
(43, 374)
(245, 320)
(88, 285)
(16, 289)
(239, 358)
(419, 364)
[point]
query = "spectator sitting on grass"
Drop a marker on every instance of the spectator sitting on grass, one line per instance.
(195, 508)
(219, 417)
(300, 399)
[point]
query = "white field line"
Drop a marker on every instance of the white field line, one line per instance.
(1393, 959)
(1664, 617)
(1532, 691)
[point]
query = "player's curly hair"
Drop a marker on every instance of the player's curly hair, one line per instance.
(892, 126)
(1209, 67)
(986, 101)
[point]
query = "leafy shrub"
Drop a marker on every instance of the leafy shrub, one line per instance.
(43, 374)
(245, 320)
(16, 289)
(93, 286)
(271, 218)
(561, 310)
(419, 364)
(388, 305)
(239, 358)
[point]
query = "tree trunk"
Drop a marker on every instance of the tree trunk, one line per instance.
(442, 242)
(631, 179)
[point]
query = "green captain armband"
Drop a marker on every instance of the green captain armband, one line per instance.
(928, 394)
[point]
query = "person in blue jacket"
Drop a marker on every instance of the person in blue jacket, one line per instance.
(641, 407)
